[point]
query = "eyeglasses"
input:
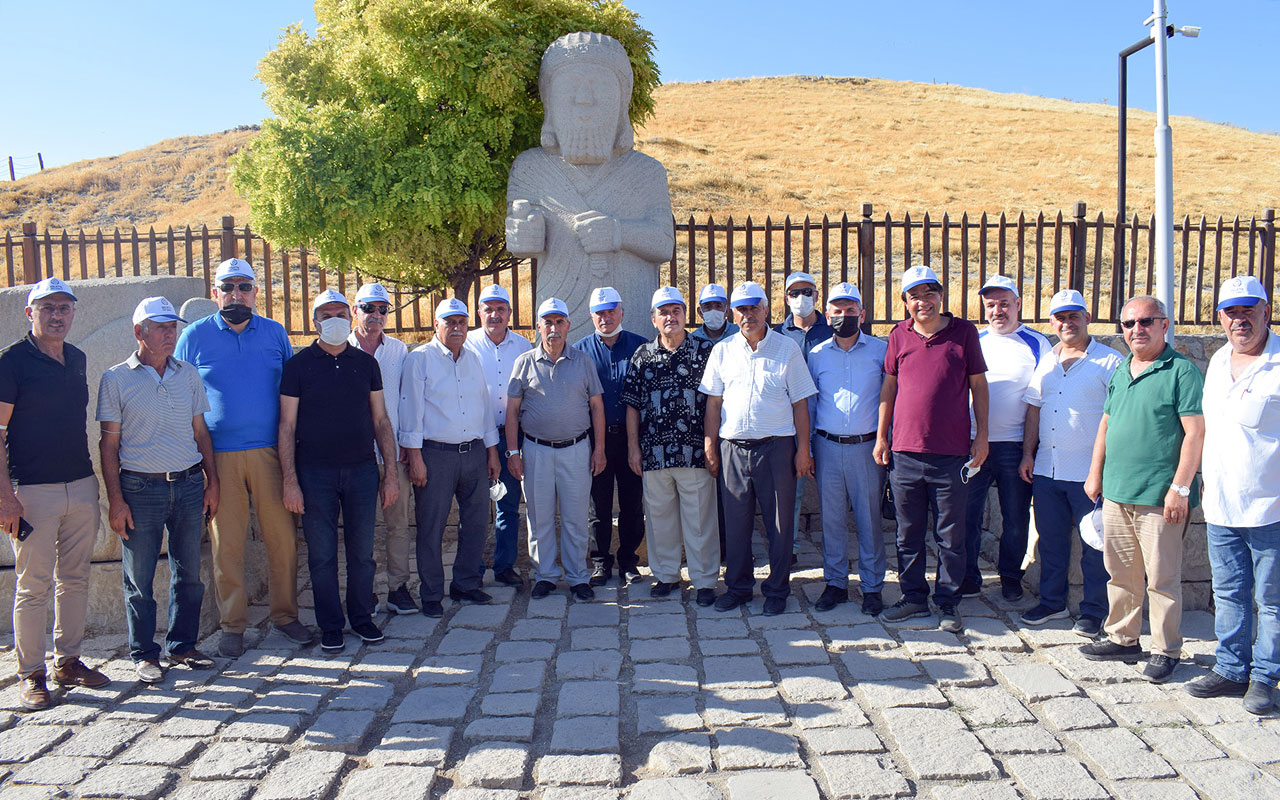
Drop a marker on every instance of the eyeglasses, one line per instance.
(60, 310)
(800, 293)
(228, 288)
(375, 308)
(1145, 322)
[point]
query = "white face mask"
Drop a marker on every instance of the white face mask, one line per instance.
(614, 333)
(714, 319)
(334, 330)
(801, 306)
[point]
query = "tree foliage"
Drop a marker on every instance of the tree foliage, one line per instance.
(396, 122)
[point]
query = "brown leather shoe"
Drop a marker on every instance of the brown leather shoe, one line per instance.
(73, 672)
(35, 695)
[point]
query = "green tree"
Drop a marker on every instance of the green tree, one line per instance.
(396, 122)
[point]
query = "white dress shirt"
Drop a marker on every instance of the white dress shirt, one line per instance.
(390, 356)
(497, 360)
(442, 400)
(1011, 358)
(848, 381)
(1241, 462)
(758, 386)
(1070, 403)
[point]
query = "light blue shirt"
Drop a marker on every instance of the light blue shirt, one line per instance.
(848, 400)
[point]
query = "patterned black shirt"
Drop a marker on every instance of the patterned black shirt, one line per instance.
(663, 386)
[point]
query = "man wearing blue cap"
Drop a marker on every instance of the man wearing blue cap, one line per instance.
(848, 370)
(1064, 408)
(610, 348)
(713, 305)
(498, 346)
(1241, 469)
(757, 391)
(1012, 352)
(240, 355)
(160, 474)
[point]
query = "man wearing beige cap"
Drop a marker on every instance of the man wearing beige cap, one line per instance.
(160, 474)
(48, 492)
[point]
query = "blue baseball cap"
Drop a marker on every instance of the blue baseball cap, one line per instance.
(916, 276)
(1242, 290)
(605, 298)
(748, 293)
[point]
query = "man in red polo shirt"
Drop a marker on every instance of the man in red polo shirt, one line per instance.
(938, 362)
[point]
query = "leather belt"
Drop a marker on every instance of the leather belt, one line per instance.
(748, 444)
(614, 428)
(560, 445)
(171, 477)
(858, 439)
(464, 447)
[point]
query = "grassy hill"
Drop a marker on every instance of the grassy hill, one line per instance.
(790, 145)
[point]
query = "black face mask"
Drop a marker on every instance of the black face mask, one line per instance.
(235, 314)
(845, 327)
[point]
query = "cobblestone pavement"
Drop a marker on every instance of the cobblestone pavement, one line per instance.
(649, 699)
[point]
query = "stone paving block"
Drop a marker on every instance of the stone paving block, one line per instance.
(1051, 634)
(931, 641)
(844, 615)
(55, 770)
(412, 744)
(102, 739)
(645, 604)
(1249, 740)
(664, 679)
(1145, 715)
(791, 616)
(161, 752)
(588, 698)
(735, 672)
(670, 648)
(494, 765)
(1230, 780)
(856, 775)
(594, 639)
(302, 776)
(223, 760)
(418, 627)
(987, 790)
(214, 790)
(500, 729)
(589, 664)
(64, 713)
(464, 641)
(23, 744)
(384, 665)
(1121, 754)
(955, 669)
(370, 695)
(900, 693)
(452, 670)
(796, 647)
(476, 793)
(863, 636)
(146, 706)
(579, 793)
(579, 770)
(434, 704)
(1019, 739)
(1078, 668)
(673, 789)
(117, 781)
(986, 633)
(1075, 713)
(1055, 778)
(756, 748)
(551, 607)
(1135, 692)
(657, 626)
(585, 735)
(297, 698)
(937, 745)
(485, 617)
(510, 704)
(988, 705)
(810, 684)
(722, 628)
(831, 714)
(339, 730)
(508, 652)
(834, 741)
(542, 630)
(1181, 745)
(226, 693)
(322, 670)
(667, 714)
(400, 782)
(728, 647)
(259, 663)
(772, 785)
(872, 665)
(1215, 710)
(1154, 790)
(1037, 682)
(518, 677)
(734, 707)
(585, 615)
(681, 755)
(263, 726)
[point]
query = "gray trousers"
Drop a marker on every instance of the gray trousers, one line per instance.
(557, 476)
(764, 473)
(452, 474)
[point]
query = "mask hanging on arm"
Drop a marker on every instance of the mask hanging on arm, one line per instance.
(801, 306)
(714, 320)
(334, 330)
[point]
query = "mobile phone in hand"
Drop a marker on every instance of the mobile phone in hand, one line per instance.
(24, 529)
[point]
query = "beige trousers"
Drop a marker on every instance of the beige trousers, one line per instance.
(680, 504)
(1139, 548)
(256, 473)
(54, 560)
(396, 521)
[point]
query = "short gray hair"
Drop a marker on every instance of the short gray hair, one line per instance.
(1146, 298)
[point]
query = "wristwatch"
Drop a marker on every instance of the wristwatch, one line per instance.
(1181, 491)
(510, 453)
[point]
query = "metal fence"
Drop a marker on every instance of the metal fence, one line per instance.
(1108, 262)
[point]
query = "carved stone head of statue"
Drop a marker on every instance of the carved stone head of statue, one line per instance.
(585, 83)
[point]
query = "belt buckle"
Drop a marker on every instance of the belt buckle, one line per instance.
(463, 448)
(174, 477)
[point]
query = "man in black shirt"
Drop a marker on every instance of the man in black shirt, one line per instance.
(331, 410)
(48, 483)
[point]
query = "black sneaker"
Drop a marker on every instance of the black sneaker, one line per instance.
(1088, 627)
(582, 592)
(1011, 589)
(509, 577)
(368, 632)
(729, 601)
(662, 589)
(872, 604)
(1107, 650)
(433, 609)
(332, 642)
(832, 596)
(399, 601)
(1042, 614)
(971, 589)
(478, 596)
(706, 597)
(599, 575)
(773, 606)
(949, 619)
(541, 589)
(1211, 684)
(630, 575)
(1159, 668)
(1259, 699)
(903, 610)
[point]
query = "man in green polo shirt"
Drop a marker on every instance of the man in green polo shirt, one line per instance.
(1144, 466)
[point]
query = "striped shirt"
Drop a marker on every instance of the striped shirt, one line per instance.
(154, 412)
(1070, 403)
(1011, 358)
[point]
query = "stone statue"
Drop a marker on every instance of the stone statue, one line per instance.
(591, 209)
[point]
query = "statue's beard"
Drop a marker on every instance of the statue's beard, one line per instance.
(586, 145)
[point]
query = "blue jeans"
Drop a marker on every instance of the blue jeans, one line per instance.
(1001, 469)
(353, 490)
(156, 504)
(1246, 569)
(848, 477)
(1060, 505)
(506, 524)
(924, 482)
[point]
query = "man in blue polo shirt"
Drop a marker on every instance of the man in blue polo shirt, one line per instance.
(610, 348)
(240, 355)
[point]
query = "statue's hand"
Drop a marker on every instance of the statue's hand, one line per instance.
(526, 229)
(597, 232)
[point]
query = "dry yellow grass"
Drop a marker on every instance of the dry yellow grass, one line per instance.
(779, 146)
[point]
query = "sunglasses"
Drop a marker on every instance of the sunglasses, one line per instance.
(375, 308)
(228, 288)
(1145, 322)
(800, 293)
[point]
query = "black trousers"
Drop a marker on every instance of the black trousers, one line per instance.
(924, 482)
(630, 506)
(763, 474)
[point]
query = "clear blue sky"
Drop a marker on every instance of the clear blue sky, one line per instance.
(85, 78)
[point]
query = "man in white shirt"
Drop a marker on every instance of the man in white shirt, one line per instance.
(1241, 469)
(1012, 352)
(446, 416)
(372, 309)
(1064, 408)
(757, 389)
(497, 346)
